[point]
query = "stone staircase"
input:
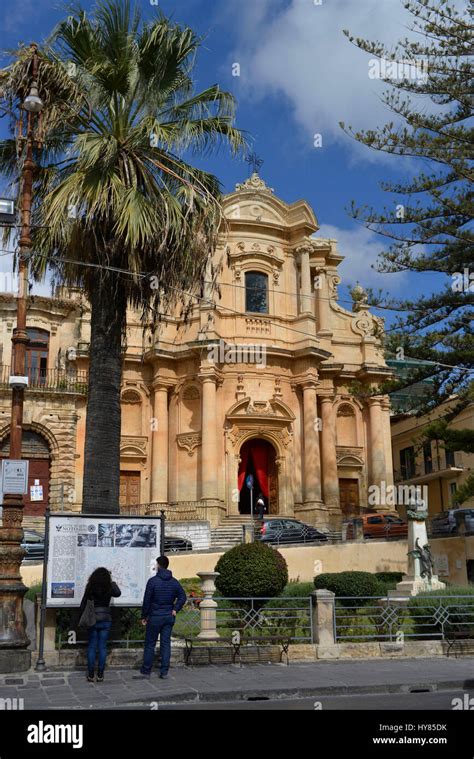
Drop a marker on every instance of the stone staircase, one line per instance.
(229, 534)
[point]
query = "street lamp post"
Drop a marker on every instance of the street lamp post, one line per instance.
(14, 656)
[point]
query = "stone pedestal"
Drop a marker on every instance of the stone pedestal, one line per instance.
(323, 617)
(14, 661)
(208, 606)
(413, 582)
(13, 639)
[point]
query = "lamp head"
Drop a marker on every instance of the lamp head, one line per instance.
(33, 102)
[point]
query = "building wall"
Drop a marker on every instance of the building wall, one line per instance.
(408, 431)
(304, 562)
(188, 408)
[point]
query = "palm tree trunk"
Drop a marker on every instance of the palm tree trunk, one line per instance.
(102, 447)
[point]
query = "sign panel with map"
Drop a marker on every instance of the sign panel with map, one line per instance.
(127, 546)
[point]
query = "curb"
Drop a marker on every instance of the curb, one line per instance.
(295, 693)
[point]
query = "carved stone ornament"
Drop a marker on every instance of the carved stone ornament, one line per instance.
(260, 407)
(345, 409)
(189, 441)
(333, 281)
(131, 397)
(191, 393)
(359, 297)
(253, 183)
(363, 325)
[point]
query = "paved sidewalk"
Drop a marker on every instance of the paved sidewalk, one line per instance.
(70, 690)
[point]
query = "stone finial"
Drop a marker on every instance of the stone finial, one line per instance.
(359, 297)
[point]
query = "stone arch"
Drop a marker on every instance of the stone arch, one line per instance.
(37, 445)
(265, 467)
(41, 430)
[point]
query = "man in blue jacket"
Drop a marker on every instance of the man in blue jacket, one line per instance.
(164, 597)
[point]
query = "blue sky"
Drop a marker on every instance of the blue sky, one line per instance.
(299, 76)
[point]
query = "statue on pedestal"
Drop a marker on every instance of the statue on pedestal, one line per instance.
(420, 575)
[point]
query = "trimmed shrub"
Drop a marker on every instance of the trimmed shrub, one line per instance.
(349, 585)
(251, 570)
(461, 612)
(389, 577)
(388, 580)
(296, 589)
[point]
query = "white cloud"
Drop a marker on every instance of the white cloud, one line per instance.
(297, 51)
(361, 248)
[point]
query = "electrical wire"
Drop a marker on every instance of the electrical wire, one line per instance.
(211, 302)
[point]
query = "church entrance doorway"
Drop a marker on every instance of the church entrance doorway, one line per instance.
(258, 457)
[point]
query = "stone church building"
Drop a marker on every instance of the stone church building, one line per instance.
(258, 381)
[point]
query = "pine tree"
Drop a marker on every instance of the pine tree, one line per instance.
(429, 219)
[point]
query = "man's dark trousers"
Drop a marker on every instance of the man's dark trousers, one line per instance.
(158, 626)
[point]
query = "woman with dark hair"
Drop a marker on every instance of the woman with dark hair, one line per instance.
(100, 589)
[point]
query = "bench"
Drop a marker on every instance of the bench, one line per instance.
(460, 635)
(237, 643)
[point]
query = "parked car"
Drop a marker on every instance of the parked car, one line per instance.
(33, 544)
(289, 531)
(173, 544)
(382, 525)
(446, 522)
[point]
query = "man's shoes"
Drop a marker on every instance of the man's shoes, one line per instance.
(100, 676)
(90, 677)
(164, 676)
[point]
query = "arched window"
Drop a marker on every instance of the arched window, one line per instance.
(256, 292)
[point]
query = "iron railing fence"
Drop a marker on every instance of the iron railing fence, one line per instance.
(385, 619)
(59, 380)
(289, 618)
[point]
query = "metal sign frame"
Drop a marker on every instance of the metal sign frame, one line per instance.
(40, 664)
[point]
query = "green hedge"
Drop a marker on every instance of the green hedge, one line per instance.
(32, 592)
(349, 585)
(251, 570)
(389, 577)
(424, 605)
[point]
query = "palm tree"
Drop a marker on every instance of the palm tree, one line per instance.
(119, 209)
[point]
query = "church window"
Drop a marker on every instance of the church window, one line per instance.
(256, 292)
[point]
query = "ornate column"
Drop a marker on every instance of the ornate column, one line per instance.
(306, 297)
(312, 456)
(378, 468)
(209, 467)
(160, 444)
(329, 459)
(388, 440)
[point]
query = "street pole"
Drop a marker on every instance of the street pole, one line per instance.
(13, 639)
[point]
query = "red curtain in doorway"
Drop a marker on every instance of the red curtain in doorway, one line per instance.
(260, 456)
(244, 460)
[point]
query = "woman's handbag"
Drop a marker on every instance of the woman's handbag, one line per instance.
(88, 617)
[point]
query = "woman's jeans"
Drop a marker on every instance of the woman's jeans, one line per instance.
(158, 626)
(98, 635)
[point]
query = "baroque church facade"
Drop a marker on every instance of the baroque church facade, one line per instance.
(258, 381)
